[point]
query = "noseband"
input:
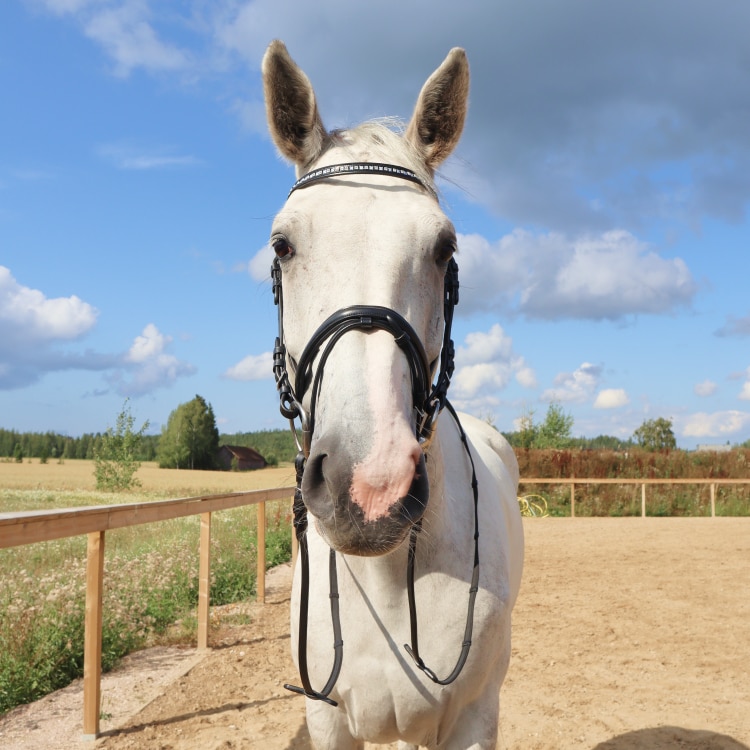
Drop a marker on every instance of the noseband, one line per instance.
(428, 400)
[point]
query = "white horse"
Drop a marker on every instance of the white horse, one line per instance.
(363, 250)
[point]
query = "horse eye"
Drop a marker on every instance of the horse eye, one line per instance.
(281, 247)
(444, 251)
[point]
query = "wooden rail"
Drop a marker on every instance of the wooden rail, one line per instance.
(28, 527)
(573, 481)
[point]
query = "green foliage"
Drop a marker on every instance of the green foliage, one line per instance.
(55, 445)
(151, 576)
(115, 462)
(635, 463)
(656, 435)
(190, 440)
(554, 432)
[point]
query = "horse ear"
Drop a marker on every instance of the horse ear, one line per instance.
(291, 108)
(440, 112)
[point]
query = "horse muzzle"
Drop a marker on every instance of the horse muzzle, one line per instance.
(360, 508)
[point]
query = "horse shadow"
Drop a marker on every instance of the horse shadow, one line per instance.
(671, 738)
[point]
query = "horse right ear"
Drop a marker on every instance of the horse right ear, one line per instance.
(440, 112)
(291, 108)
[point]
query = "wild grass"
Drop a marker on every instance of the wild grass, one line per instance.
(151, 571)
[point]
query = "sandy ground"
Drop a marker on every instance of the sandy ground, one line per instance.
(629, 634)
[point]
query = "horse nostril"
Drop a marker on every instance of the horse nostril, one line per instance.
(314, 475)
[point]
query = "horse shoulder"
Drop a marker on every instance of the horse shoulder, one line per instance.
(483, 434)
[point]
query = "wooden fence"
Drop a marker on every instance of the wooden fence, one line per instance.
(28, 527)
(643, 482)
(17, 529)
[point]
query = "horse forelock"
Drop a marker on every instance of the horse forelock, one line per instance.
(379, 140)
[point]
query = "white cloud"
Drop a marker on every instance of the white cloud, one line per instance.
(526, 377)
(148, 345)
(716, 424)
(150, 365)
(550, 276)
(577, 386)
(125, 30)
(129, 157)
(706, 388)
(259, 266)
(35, 329)
(27, 316)
(252, 367)
(744, 394)
(480, 347)
(611, 398)
(485, 364)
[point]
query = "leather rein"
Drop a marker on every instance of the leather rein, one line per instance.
(429, 400)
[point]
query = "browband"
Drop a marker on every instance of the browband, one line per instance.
(335, 170)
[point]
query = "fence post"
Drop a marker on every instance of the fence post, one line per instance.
(643, 500)
(92, 638)
(204, 580)
(713, 499)
(260, 579)
(572, 500)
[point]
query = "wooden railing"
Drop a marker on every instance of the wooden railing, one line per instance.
(28, 527)
(17, 529)
(643, 482)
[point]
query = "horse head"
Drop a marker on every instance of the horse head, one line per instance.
(358, 240)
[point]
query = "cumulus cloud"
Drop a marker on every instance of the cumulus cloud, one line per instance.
(706, 388)
(37, 331)
(27, 315)
(611, 398)
(576, 387)
(485, 364)
(33, 327)
(744, 394)
(716, 424)
(598, 142)
(549, 276)
(149, 365)
(252, 367)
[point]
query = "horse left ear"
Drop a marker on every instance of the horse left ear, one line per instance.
(440, 112)
(291, 107)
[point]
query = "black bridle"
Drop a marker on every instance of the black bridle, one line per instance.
(429, 400)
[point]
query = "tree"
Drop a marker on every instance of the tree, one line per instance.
(115, 463)
(555, 431)
(655, 435)
(190, 440)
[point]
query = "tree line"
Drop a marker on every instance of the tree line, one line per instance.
(190, 439)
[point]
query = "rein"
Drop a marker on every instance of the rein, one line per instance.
(429, 400)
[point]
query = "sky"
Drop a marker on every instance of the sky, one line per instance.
(600, 192)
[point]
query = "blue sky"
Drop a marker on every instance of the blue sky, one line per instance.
(600, 192)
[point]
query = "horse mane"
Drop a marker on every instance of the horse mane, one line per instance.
(381, 140)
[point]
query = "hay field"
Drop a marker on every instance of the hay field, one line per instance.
(78, 476)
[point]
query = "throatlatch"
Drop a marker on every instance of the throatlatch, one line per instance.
(429, 400)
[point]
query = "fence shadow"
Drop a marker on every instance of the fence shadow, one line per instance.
(671, 738)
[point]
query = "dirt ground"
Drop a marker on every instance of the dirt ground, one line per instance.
(629, 634)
